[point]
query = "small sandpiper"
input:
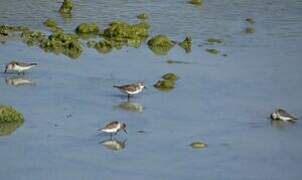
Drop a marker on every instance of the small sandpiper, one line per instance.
(114, 127)
(131, 89)
(19, 66)
(281, 114)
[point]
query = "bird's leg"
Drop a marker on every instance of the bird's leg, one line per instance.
(128, 96)
(23, 72)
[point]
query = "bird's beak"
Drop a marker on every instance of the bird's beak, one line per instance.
(145, 87)
(125, 131)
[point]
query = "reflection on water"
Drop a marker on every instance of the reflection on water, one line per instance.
(131, 106)
(281, 124)
(7, 128)
(114, 144)
(18, 81)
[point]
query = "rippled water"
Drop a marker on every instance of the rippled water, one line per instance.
(223, 101)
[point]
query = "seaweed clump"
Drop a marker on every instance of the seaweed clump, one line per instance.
(66, 7)
(167, 83)
(61, 42)
(32, 37)
(160, 44)
(170, 77)
(121, 33)
(50, 23)
(212, 41)
(186, 44)
(198, 145)
(10, 120)
(212, 51)
(143, 16)
(196, 2)
(250, 21)
(104, 46)
(249, 30)
(87, 28)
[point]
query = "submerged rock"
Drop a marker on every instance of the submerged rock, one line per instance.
(87, 28)
(212, 51)
(164, 85)
(170, 77)
(160, 44)
(66, 7)
(186, 44)
(198, 145)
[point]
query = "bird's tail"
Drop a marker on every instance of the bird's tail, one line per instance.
(33, 64)
(116, 86)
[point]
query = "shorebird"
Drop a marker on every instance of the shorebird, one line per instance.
(19, 66)
(131, 89)
(282, 115)
(114, 127)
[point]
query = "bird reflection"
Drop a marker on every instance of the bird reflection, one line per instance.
(18, 81)
(131, 106)
(113, 144)
(281, 124)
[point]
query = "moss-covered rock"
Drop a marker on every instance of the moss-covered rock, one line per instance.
(249, 30)
(160, 44)
(9, 114)
(214, 41)
(91, 43)
(122, 33)
(104, 46)
(50, 23)
(170, 77)
(196, 2)
(164, 85)
(66, 7)
(8, 128)
(212, 51)
(87, 28)
(186, 44)
(143, 16)
(198, 145)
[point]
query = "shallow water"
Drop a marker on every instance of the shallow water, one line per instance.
(223, 101)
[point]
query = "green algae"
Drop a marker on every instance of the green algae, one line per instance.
(186, 44)
(176, 62)
(9, 114)
(160, 44)
(50, 23)
(91, 43)
(249, 30)
(170, 77)
(164, 85)
(87, 28)
(32, 37)
(212, 41)
(66, 7)
(143, 16)
(212, 51)
(198, 145)
(104, 46)
(250, 21)
(123, 33)
(61, 42)
(196, 2)
(8, 128)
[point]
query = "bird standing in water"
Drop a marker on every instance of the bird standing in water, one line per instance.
(19, 67)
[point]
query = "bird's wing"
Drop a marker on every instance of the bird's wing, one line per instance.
(129, 87)
(111, 124)
(284, 113)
